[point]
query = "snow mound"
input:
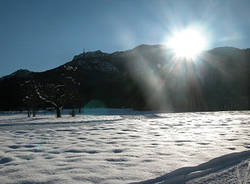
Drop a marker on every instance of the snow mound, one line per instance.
(230, 169)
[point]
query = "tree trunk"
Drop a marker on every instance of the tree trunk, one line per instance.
(73, 113)
(28, 113)
(58, 112)
(33, 113)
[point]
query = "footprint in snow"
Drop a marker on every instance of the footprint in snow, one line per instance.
(5, 160)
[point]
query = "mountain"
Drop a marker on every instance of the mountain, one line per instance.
(146, 77)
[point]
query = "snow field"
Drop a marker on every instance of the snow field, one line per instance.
(118, 148)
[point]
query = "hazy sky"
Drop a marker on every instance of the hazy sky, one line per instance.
(42, 34)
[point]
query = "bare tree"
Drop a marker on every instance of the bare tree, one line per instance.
(31, 99)
(53, 94)
(71, 89)
(57, 95)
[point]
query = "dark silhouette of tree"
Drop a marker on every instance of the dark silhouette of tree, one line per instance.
(31, 99)
(60, 94)
(72, 93)
(52, 94)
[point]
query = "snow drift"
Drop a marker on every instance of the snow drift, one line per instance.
(228, 169)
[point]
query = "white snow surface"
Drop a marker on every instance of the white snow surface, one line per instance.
(232, 168)
(117, 146)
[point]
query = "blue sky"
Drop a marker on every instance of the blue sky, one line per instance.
(42, 34)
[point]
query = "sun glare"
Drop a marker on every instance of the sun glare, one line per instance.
(187, 43)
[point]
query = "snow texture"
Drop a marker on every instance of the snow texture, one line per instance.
(228, 169)
(123, 146)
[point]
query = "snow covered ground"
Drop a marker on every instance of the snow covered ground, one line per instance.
(118, 146)
(233, 168)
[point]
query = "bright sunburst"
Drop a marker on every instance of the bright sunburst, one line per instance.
(187, 43)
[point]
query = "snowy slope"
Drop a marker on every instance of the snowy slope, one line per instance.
(124, 147)
(228, 169)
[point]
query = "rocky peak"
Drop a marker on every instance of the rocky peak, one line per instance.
(91, 54)
(92, 61)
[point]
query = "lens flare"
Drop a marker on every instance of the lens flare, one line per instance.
(187, 43)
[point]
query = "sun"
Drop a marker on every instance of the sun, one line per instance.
(188, 43)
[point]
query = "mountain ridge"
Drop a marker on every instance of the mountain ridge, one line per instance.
(147, 77)
(99, 52)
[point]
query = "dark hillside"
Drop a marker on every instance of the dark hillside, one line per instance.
(146, 77)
